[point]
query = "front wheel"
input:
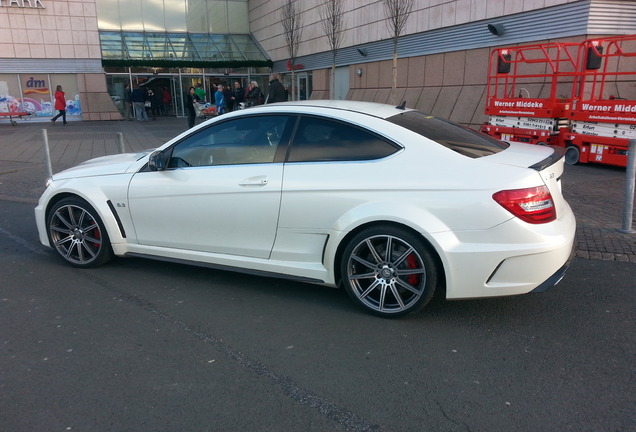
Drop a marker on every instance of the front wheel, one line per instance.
(388, 271)
(77, 234)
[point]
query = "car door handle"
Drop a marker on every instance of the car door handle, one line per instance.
(254, 181)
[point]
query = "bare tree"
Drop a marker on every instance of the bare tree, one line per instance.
(397, 13)
(331, 14)
(293, 28)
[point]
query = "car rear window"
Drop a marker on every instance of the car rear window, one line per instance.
(451, 135)
(320, 139)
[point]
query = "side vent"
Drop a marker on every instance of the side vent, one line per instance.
(119, 224)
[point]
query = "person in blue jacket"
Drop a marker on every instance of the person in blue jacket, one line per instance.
(219, 100)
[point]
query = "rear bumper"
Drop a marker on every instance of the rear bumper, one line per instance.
(556, 277)
(510, 259)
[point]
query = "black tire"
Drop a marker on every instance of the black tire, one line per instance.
(388, 284)
(572, 155)
(77, 233)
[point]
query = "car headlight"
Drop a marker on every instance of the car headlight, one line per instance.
(48, 182)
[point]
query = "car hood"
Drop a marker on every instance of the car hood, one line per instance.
(525, 155)
(105, 165)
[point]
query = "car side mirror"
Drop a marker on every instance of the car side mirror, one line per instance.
(157, 161)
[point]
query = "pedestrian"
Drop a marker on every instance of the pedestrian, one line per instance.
(200, 92)
(228, 97)
(148, 96)
(156, 103)
(238, 95)
(128, 101)
(276, 90)
(167, 98)
(137, 98)
(219, 100)
(60, 105)
(254, 94)
(191, 98)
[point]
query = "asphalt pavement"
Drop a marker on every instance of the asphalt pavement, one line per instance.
(143, 345)
(596, 193)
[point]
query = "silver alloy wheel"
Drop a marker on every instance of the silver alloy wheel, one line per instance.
(386, 274)
(76, 234)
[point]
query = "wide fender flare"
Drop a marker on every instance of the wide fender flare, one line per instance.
(419, 219)
(96, 197)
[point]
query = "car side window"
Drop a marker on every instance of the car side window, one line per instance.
(319, 139)
(245, 140)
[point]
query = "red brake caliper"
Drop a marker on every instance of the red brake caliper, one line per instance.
(411, 263)
(97, 235)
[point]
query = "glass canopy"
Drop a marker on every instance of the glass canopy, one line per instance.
(137, 47)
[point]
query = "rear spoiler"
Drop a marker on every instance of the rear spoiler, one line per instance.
(558, 154)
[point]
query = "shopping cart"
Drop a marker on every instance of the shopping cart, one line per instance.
(204, 110)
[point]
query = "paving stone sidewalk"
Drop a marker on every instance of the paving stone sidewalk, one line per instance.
(595, 193)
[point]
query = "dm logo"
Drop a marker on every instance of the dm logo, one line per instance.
(36, 86)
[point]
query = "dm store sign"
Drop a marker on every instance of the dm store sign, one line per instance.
(36, 95)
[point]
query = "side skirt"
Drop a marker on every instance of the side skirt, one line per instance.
(227, 268)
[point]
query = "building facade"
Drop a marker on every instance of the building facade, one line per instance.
(93, 48)
(49, 43)
(443, 51)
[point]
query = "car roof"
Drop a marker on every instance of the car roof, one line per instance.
(370, 108)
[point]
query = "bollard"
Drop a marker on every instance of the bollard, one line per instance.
(630, 175)
(47, 151)
(120, 140)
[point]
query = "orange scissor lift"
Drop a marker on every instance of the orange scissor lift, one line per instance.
(571, 109)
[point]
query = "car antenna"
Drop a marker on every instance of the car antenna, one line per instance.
(402, 105)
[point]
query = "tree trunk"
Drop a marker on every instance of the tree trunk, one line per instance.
(394, 85)
(293, 83)
(332, 85)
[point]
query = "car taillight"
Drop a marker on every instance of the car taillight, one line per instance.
(533, 205)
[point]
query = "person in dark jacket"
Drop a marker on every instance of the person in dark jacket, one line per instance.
(191, 97)
(254, 95)
(137, 99)
(228, 96)
(128, 101)
(238, 95)
(276, 90)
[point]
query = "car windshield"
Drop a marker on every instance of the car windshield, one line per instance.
(451, 135)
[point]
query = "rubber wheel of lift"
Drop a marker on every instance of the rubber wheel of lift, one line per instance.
(572, 155)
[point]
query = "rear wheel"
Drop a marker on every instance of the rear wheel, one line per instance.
(77, 234)
(388, 271)
(572, 155)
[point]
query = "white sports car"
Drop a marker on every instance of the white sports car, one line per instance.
(386, 201)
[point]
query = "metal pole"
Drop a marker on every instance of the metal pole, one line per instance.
(120, 140)
(47, 151)
(630, 175)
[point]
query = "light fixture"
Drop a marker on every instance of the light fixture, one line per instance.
(362, 52)
(359, 72)
(496, 29)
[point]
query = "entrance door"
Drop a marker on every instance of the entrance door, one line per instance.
(303, 86)
(177, 98)
(342, 82)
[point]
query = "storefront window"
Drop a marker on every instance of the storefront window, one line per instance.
(116, 90)
(10, 97)
(35, 93)
(71, 93)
